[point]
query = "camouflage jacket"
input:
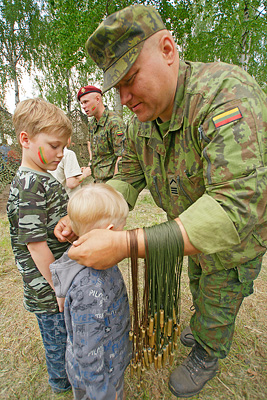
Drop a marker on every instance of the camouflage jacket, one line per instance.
(209, 168)
(106, 138)
(36, 203)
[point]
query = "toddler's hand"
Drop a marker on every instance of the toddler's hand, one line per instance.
(60, 302)
(63, 231)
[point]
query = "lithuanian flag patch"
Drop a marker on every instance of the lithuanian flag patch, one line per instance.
(228, 116)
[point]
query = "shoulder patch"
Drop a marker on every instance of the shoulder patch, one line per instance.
(228, 116)
(119, 133)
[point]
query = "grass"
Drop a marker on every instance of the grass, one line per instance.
(242, 376)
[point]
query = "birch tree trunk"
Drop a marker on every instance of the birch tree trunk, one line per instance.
(117, 104)
(245, 43)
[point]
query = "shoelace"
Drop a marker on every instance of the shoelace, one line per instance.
(195, 363)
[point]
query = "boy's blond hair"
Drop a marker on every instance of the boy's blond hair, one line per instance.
(37, 115)
(96, 206)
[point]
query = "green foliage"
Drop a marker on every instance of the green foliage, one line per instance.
(69, 25)
(20, 26)
(63, 60)
(232, 32)
(50, 35)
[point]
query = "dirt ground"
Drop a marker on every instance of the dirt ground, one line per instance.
(3, 200)
(242, 374)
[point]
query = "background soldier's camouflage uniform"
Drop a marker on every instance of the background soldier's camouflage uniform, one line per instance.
(36, 203)
(106, 138)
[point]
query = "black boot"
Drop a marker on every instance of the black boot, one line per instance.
(196, 370)
(187, 338)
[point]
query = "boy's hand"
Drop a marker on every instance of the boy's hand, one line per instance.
(60, 302)
(86, 171)
(63, 230)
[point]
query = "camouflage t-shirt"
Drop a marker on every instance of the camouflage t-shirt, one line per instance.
(106, 138)
(36, 203)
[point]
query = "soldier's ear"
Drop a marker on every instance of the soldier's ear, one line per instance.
(167, 47)
(24, 139)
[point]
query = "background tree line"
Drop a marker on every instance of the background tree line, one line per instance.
(48, 37)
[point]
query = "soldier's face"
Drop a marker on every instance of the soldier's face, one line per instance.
(146, 89)
(89, 104)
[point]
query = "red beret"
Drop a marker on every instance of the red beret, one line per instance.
(87, 89)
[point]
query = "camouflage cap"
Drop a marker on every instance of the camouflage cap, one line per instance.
(117, 42)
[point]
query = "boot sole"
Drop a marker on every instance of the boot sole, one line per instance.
(182, 395)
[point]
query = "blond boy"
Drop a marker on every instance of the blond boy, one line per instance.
(36, 202)
(96, 305)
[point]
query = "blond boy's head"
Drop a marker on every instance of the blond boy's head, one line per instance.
(37, 115)
(97, 206)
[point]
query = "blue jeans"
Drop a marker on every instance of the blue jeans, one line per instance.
(54, 335)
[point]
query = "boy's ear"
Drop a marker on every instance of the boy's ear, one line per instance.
(24, 139)
(110, 227)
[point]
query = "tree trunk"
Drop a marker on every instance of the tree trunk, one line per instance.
(117, 104)
(68, 92)
(245, 43)
(16, 84)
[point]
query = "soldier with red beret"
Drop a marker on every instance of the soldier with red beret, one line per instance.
(106, 133)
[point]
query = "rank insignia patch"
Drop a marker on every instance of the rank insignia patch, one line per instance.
(228, 116)
(173, 186)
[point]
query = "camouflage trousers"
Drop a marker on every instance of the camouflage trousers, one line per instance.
(217, 298)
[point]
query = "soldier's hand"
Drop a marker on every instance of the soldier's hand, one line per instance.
(100, 248)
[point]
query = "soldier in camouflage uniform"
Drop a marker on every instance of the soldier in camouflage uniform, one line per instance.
(106, 133)
(198, 142)
(36, 202)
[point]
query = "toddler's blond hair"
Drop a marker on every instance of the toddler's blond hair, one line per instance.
(96, 206)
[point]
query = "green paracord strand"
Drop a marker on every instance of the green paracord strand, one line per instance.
(155, 296)
(164, 256)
